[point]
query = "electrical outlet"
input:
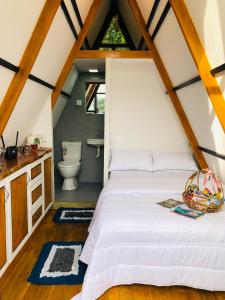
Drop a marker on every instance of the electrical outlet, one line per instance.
(79, 102)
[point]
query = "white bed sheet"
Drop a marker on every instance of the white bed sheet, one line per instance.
(132, 239)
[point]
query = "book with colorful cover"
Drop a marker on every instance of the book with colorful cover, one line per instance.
(170, 203)
(187, 211)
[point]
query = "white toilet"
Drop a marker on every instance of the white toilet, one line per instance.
(70, 166)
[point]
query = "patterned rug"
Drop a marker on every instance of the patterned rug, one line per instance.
(73, 215)
(58, 263)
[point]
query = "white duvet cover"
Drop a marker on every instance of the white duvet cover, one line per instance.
(132, 239)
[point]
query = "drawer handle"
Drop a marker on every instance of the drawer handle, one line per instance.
(7, 194)
(29, 179)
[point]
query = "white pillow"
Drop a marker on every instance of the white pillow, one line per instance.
(126, 159)
(173, 161)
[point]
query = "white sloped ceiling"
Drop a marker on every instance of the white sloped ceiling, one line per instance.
(180, 66)
(18, 19)
(55, 49)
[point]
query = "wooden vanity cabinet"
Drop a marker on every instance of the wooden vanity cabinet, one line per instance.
(19, 209)
(3, 256)
(48, 181)
(25, 197)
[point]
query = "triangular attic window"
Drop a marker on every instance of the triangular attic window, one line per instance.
(114, 38)
(114, 34)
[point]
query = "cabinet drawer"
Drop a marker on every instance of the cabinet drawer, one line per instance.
(35, 171)
(36, 193)
(36, 215)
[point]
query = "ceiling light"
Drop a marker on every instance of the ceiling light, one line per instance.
(93, 70)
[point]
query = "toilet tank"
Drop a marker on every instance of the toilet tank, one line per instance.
(71, 150)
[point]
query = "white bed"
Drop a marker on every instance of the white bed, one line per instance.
(132, 239)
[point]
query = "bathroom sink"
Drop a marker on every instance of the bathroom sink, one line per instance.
(96, 143)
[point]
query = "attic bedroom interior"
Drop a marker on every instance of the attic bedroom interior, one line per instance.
(112, 149)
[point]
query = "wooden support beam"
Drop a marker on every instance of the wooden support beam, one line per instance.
(76, 47)
(168, 84)
(113, 54)
(29, 56)
(201, 61)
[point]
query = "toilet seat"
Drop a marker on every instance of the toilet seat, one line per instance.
(68, 164)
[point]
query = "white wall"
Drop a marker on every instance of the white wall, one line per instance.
(58, 109)
(43, 125)
(180, 66)
(139, 115)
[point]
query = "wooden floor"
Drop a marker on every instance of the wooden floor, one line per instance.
(16, 287)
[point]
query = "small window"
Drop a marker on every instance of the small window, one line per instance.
(95, 98)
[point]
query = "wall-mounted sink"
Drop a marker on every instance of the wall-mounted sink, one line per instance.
(96, 143)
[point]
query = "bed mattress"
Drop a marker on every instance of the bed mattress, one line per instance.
(132, 239)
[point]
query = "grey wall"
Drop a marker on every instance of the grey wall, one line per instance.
(75, 124)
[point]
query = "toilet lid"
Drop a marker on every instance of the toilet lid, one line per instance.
(68, 164)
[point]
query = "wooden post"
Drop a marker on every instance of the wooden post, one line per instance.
(76, 47)
(201, 61)
(28, 59)
(168, 84)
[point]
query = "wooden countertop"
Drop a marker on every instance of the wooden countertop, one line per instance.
(14, 165)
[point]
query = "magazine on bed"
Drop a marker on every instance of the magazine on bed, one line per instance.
(181, 208)
(187, 211)
(170, 203)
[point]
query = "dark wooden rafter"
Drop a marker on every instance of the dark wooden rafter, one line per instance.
(125, 32)
(68, 18)
(218, 70)
(27, 61)
(36, 79)
(200, 58)
(76, 47)
(215, 71)
(161, 20)
(4, 63)
(187, 83)
(103, 30)
(150, 19)
(213, 153)
(168, 84)
(77, 13)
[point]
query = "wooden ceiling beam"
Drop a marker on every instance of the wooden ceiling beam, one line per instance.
(113, 54)
(27, 61)
(200, 58)
(168, 84)
(76, 47)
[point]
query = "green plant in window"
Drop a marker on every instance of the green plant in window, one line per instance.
(101, 105)
(114, 34)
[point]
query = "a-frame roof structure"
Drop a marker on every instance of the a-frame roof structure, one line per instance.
(140, 35)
